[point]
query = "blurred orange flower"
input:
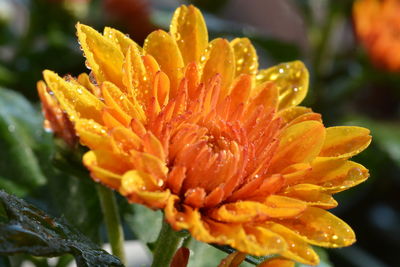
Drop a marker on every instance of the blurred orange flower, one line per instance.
(132, 14)
(194, 128)
(377, 25)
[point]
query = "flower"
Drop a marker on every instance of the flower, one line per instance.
(194, 128)
(56, 120)
(132, 14)
(377, 25)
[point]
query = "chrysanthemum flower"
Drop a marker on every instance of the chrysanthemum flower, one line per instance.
(195, 128)
(377, 24)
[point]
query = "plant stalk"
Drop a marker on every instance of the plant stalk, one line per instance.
(112, 220)
(166, 245)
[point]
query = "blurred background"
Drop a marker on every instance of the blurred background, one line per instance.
(355, 80)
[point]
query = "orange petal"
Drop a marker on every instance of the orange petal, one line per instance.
(345, 141)
(103, 56)
(277, 262)
(219, 59)
(233, 260)
(240, 91)
(195, 197)
(335, 175)
(74, 99)
(299, 143)
(266, 95)
(291, 78)
(190, 32)
(181, 258)
(153, 146)
(120, 39)
(314, 195)
(161, 88)
(298, 249)
(245, 56)
(164, 49)
(321, 228)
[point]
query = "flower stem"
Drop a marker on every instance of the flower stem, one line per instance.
(166, 245)
(113, 223)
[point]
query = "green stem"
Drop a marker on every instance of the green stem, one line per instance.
(113, 223)
(166, 245)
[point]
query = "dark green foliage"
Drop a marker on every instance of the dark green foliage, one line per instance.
(30, 230)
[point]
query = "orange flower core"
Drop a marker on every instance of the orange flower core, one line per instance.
(377, 24)
(195, 128)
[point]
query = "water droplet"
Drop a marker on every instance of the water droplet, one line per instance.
(79, 90)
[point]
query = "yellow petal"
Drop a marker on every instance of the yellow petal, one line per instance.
(298, 249)
(138, 80)
(299, 143)
(291, 113)
(321, 228)
(103, 56)
(92, 134)
(118, 101)
(245, 57)
(148, 163)
(314, 195)
(105, 167)
(84, 80)
(335, 175)
(74, 99)
(190, 32)
(219, 59)
(164, 49)
(277, 262)
(120, 39)
(345, 141)
(124, 140)
(142, 187)
(274, 207)
(291, 78)
(281, 207)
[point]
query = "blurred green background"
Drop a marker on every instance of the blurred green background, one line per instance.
(345, 88)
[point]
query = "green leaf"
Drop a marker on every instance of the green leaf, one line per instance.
(22, 140)
(70, 190)
(144, 222)
(30, 230)
(204, 255)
